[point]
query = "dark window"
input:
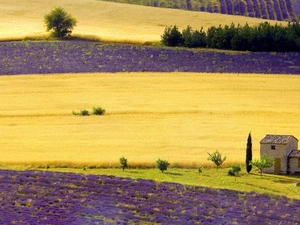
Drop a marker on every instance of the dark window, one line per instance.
(273, 147)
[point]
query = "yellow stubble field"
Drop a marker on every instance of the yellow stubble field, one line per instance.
(106, 20)
(174, 116)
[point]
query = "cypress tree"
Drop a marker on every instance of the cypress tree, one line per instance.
(249, 153)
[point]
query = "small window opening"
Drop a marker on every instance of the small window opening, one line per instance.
(273, 147)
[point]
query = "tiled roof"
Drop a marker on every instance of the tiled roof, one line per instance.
(276, 139)
(295, 154)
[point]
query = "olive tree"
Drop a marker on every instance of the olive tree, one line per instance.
(216, 158)
(265, 161)
(162, 165)
(123, 163)
(60, 23)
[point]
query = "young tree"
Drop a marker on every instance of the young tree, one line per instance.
(162, 165)
(59, 22)
(193, 39)
(234, 171)
(249, 154)
(123, 163)
(265, 161)
(172, 37)
(200, 168)
(216, 158)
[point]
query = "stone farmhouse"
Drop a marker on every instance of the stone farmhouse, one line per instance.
(284, 150)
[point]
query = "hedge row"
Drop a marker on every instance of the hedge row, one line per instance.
(261, 38)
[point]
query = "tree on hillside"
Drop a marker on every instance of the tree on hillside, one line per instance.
(59, 22)
(265, 161)
(249, 153)
(216, 158)
(162, 165)
(234, 171)
(123, 163)
(193, 39)
(172, 37)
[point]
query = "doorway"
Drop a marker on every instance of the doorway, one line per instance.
(277, 166)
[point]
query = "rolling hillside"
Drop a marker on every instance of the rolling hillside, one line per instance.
(282, 10)
(106, 20)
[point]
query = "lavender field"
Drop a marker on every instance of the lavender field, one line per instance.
(42, 197)
(84, 56)
(282, 10)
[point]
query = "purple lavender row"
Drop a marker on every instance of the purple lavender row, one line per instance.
(283, 9)
(250, 8)
(256, 9)
(82, 56)
(229, 7)
(236, 8)
(277, 10)
(296, 6)
(264, 14)
(242, 8)
(223, 7)
(291, 11)
(270, 9)
(37, 197)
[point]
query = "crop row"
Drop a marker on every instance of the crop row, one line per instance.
(43, 197)
(266, 9)
(83, 56)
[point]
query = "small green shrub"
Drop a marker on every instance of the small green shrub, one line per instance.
(234, 171)
(123, 163)
(200, 168)
(162, 165)
(98, 111)
(84, 112)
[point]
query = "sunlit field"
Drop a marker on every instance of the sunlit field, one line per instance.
(178, 117)
(106, 20)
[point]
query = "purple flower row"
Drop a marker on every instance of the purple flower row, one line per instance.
(83, 56)
(296, 6)
(37, 197)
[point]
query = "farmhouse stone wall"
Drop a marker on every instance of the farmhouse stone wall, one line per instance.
(294, 166)
(281, 150)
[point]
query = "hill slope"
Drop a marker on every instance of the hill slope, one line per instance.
(105, 20)
(286, 10)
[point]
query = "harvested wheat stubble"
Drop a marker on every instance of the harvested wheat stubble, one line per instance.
(105, 20)
(176, 116)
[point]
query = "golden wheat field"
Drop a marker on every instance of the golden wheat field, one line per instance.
(106, 20)
(174, 116)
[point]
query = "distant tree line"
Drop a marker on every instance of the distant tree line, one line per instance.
(263, 37)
